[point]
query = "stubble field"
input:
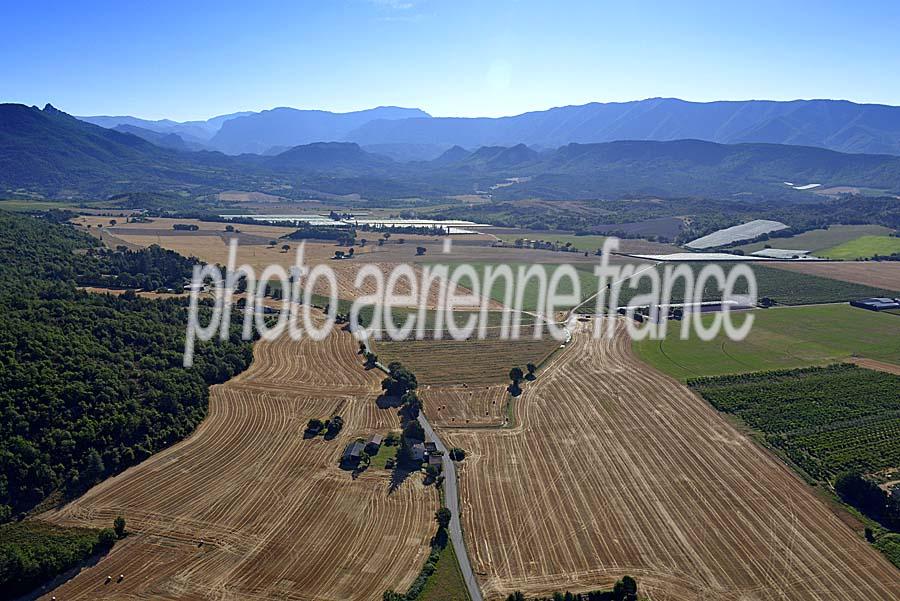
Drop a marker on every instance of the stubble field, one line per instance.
(246, 508)
(615, 469)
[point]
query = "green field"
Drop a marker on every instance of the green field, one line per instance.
(34, 205)
(446, 583)
(781, 338)
(814, 240)
(583, 243)
(863, 247)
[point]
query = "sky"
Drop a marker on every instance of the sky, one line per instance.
(193, 59)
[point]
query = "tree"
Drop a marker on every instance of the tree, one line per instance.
(413, 430)
(400, 381)
(516, 596)
(420, 250)
(112, 221)
(350, 252)
(516, 375)
(386, 236)
(119, 526)
(457, 454)
(362, 242)
(285, 247)
(531, 367)
(315, 425)
(106, 538)
(443, 517)
(338, 254)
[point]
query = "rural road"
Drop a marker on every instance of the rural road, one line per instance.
(451, 498)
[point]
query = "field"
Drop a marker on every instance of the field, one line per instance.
(815, 240)
(863, 247)
(781, 338)
(461, 406)
(246, 508)
(471, 362)
(827, 420)
(615, 469)
(884, 275)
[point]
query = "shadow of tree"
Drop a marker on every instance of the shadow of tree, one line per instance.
(402, 470)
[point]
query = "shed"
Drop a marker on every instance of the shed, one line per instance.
(374, 443)
(876, 304)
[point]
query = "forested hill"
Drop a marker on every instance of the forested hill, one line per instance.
(89, 384)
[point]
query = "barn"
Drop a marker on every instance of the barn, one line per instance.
(876, 304)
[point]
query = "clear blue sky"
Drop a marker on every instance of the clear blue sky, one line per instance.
(188, 60)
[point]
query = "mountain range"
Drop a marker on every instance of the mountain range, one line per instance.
(411, 134)
(56, 155)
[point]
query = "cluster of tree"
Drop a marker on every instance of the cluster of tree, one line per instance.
(340, 254)
(516, 375)
(869, 498)
(343, 235)
(421, 230)
(149, 268)
(624, 590)
(330, 427)
(32, 552)
(89, 384)
(187, 227)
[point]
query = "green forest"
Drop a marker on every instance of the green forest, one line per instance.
(90, 384)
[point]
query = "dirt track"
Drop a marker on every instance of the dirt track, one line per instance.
(616, 469)
(277, 517)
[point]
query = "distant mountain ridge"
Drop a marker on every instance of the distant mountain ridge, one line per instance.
(834, 124)
(51, 153)
(258, 132)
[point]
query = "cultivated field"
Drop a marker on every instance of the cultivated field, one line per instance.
(471, 362)
(863, 247)
(814, 240)
(246, 508)
(781, 338)
(884, 274)
(616, 469)
(462, 406)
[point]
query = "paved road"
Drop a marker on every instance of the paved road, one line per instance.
(451, 498)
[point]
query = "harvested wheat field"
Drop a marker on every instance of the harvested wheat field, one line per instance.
(615, 469)
(475, 362)
(246, 508)
(882, 274)
(465, 406)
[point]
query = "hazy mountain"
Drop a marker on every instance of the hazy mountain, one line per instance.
(328, 157)
(49, 152)
(258, 132)
(834, 124)
(166, 140)
(192, 132)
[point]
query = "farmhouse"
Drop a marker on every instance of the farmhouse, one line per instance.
(418, 451)
(876, 304)
(352, 453)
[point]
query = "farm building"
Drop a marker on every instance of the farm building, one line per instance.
(434, 460)
(877, 304)
(430, 447)
(418, 451)
(374, 443)
(352, 453)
